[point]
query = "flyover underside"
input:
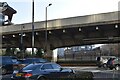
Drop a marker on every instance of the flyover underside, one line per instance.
(92, 34)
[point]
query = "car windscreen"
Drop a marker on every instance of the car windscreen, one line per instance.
(29, 61)
(43, 60)
(14, 60)
(6, 60)
(34, 61)
(56, 66)
(31, 67)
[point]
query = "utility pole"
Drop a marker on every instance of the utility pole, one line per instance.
(33, 28)
(46, 37)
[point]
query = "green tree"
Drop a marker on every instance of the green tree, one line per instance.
(1, 52)
(39, 52)
(118, 49)
(13, 50)
(8, 52)
(27, 54)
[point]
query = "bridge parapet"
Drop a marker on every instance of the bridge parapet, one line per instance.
(64, 23)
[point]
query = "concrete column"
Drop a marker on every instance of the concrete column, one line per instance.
(55, 55)
(2, 17)
(48, 53)
(22, 52)
(39, 52)
(8, 51)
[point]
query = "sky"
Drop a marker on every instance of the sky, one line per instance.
(59, 8)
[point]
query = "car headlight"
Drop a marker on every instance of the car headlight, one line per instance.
(73, 71)
(15, 71)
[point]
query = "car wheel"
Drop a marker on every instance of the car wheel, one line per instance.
(111, 68)
(104, 65)
(117, 67)
(4, 71)
(42, 78)
(99, 66)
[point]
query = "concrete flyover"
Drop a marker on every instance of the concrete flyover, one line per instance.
(79, 30)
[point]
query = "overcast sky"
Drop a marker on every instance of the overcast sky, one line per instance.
(59, 8)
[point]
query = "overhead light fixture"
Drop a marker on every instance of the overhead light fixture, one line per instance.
(97, 28)
(80, 29)
(24, 34)
(36, 33)
(50, 32)
(3, 36)
(63, 30)
(19, 34)
(116, 26)
(13, 35)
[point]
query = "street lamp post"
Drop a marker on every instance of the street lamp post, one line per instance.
(33, 28)
(22, 40)
(46, 27)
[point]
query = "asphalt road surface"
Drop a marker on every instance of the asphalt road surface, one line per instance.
(99, 74)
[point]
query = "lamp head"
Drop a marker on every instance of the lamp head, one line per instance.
(50, 4)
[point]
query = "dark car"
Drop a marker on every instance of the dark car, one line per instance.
(42, 71)
(26, 61)
(33, 60)
(7, 64)
(114, 63)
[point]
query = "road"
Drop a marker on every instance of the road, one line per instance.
(99, 74)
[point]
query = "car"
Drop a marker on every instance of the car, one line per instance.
(7, 64)
(33, 60)
(101, 61)
(114, 63)
(26, 61)
(42, 71)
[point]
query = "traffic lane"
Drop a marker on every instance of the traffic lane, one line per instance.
(100, 73)
(107, 75)
(6, 77)
(83, 68)
(92, 69)
(97, 73)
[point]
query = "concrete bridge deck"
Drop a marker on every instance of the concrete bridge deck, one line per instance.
(73, 31)
(78, 21)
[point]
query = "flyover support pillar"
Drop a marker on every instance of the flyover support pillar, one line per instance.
(48, 53)
(21, 54)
